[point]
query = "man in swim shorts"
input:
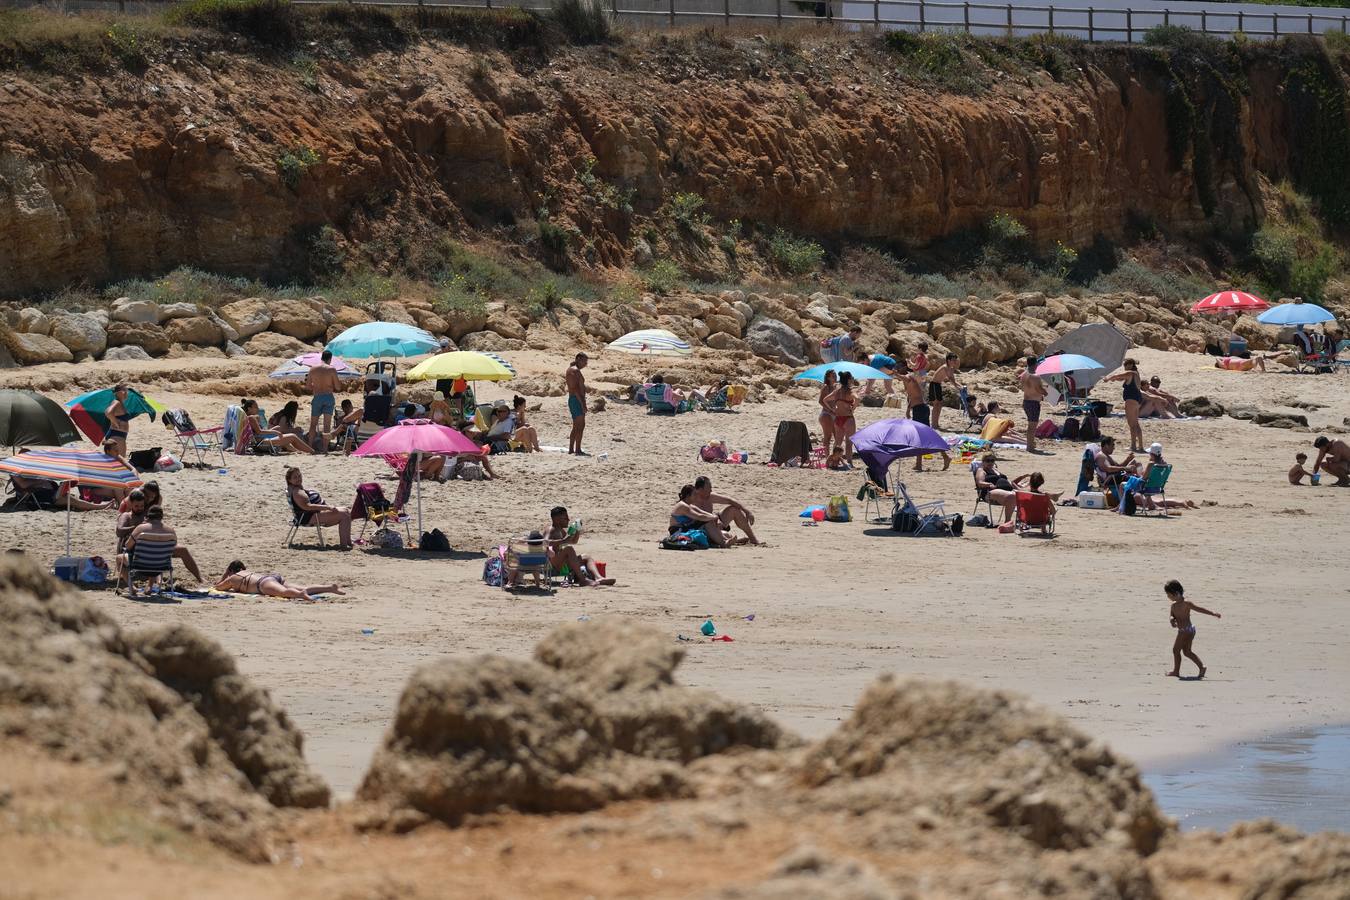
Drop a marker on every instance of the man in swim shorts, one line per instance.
(322, 382)
(1333, 457)
(576, 403)
(1181, 620)
(1033, 392)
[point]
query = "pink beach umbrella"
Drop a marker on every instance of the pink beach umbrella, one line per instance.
(414, 437)
(298, 367)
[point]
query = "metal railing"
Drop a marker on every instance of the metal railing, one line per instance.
(1110, 20)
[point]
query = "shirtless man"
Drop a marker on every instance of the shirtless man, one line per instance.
(1334, 458)
(733, 513)
(1181, 620)
(1033, 392)
(918, 410)
(322, 382)
(945, 374)
(1167, 405)
(576, 403)
(562, 550)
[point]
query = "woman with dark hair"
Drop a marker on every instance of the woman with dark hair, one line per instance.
(525, 435)
(263, 434)
(311, 509)
(686, 517)
(240, 580)
(1133, 395)
(283, 421)
(843, 403)
(826, 418)
(118, 421)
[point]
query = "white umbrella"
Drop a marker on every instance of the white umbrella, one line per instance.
(652, 342)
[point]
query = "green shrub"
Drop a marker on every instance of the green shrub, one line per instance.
(944, 60)
(1309, 277)
(1275, 250)
(583, 21)
(1005, 240)
(125, 44)
(1133, 277)
(543, 299)
(686, 211)
(555, 241)
(187, 285)
(324, 256)
(364, 288)
(1184, 39)
(294, 162)
(663, 277)
(793, 255)
(458, 295)
(271, 22)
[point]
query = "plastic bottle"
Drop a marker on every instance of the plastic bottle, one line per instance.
(367, 630)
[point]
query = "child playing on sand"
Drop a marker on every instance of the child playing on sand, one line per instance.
(836, 461)
(1298, 473)
(1181, 620)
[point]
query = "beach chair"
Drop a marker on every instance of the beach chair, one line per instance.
(981, 494)
(660, 400)
(871, 494)
(1034, 511)
(1155, 487)
(527, 557)
(151, 561)
(726, 399)
(34, 498)
(916, 519)
(298, 522)
(371, 506)
(1342, 358)
(193, 440)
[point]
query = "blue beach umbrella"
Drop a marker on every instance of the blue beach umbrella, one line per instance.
(373, 339)
(1296, 313)
(859, 371)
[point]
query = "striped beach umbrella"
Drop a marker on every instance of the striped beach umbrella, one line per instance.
(1230, 302)
(510, 368)
(89, 411)
(297, 367)
(652, 342)
(70, 465)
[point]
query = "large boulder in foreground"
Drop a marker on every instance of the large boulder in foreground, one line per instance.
(581, 728)
(182, 730)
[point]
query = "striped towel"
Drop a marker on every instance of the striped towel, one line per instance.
(233, 415)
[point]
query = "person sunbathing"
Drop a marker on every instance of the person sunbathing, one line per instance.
(997, 427)
(52, 496)
(149, 532)
(311, 509)
(1158, 402)
(239, 580)
(1238, 364)
(264, 435)
(1034, 483)
(561, 542)
(993, 486)
(283, 421)
(688, 517)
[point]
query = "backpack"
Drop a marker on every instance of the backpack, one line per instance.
(1091, 429)
(1128, 504)
(1047, 429)
(435, 541)
(494, 569)
(979, 521)
(677, 542)
(1070, 429)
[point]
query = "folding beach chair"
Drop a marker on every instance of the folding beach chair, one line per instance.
(916, 519)
(981, 495)
(527, 557)
(194, 440)
(37, 498)
(726, 399)
(871, 495)
(371, 506)
(1034, 511)
(1155, 487)
(148, 560)
(1342, 357)
(660, 400)
(298, 522)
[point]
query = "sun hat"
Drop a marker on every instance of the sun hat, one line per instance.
(1155, 449)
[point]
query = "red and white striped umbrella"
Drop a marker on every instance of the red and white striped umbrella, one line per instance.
(1230, 302)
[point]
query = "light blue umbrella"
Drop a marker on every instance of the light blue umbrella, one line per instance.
(1296, 313)
(857, 370)
(372, 339)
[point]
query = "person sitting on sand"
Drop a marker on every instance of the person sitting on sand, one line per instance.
(993, 486)
(313, 511)
(836, 462)
(1147, 501)
(1298, 473)
(239, 580)
(283, 421)
(1167, 405)
(688, 516)
(561, 542)
(1334, 457)
(1238, 364)
(525, 434)
(264, 435)
(1179, 615)
(733, 511)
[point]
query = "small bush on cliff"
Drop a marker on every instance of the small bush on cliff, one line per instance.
(457, 295)
(794, 255)
(686, 211)
(583, 21)
(943, 60)
(293, 163)
(363, 288)
(1184, 39)
(663, 277)
(1133, 277)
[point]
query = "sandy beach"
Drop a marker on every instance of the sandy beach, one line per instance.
(1079, 623)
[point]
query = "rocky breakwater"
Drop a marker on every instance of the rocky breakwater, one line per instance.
(767, 328)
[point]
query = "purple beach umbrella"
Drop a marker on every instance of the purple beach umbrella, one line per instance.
(882, 443)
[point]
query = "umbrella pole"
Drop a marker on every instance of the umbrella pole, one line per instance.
(417, 461)
(68, 490)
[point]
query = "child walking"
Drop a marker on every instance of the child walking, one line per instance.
(1181, 620)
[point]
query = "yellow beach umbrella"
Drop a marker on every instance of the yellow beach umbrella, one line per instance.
(463, 364)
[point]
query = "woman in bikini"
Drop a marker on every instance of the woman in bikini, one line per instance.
(1133, 395)
(283, 422)
(844, 403)
(313, 511)
(439, 411)
(826, 417)
(118, 421)
(525, 434)
(239, 580)
(688, 517)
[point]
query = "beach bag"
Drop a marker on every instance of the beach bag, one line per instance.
(873, 400)
(979, 520)
(837, 509)
(144, 460)
(494, 569)
(716, 452)
(469, 470)
(93, 570)
(679, 541)
(1070, 430)
(434, 541)
(1047, 429)
(168, 463)
(387, 539)
(1091, 429)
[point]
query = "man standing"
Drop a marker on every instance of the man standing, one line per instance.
(1033, 392)
(841, 347)
(322, 382)
(733, 512)
(946, 374)
(576, 403)
(916, 408)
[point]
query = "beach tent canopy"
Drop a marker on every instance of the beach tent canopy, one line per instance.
(29, 419)
(1100, 341)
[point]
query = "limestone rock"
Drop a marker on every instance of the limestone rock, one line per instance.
(776, 310)
(392, 311)
(169, 311)
(347, 316)
(775, 339)
(201, 331)
(682, 305)
(1201, 406)
(928, 309)
(504, 325)
(460, 322)
(142, 312)
(126, 352)
(36, 349)
(723, 341)
(601, 325)
(489, 341)
(32, 320)
(1271, 419)
(247, 317)
(429, 321)
(298, 319)
(234, 351)
(632, 317)
(269, 343)
(723, 325)
(80, 333)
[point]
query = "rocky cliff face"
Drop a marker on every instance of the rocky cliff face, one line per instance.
(217, 158)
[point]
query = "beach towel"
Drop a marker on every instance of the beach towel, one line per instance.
(793, 441)
(244, 441)
(994, 428)
(233, 414)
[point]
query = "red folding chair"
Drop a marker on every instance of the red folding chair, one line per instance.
(1035, 511)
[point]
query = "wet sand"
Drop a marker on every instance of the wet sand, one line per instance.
(1079, 623)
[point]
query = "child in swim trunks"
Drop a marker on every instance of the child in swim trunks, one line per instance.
(1298, 473)
(1181, 620)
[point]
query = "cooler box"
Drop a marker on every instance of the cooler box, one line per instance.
(67, 568)
(1092, 500)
